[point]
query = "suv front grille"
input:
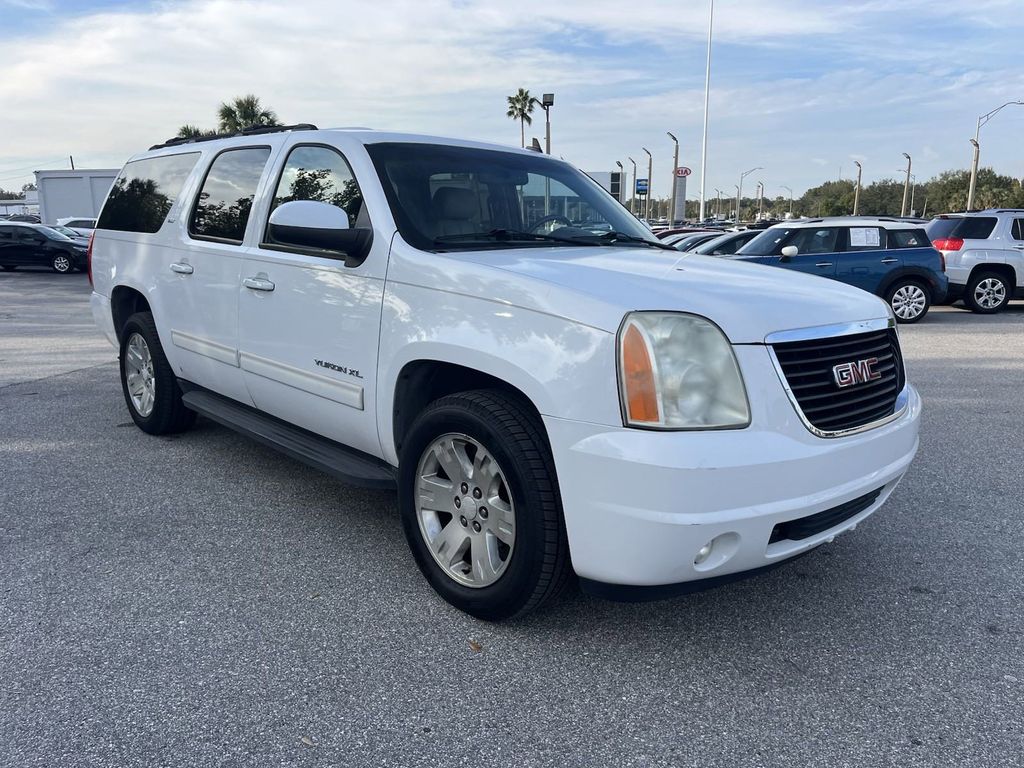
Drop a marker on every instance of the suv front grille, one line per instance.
(810, 371)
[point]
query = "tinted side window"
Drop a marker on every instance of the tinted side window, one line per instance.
(974, 227)
(222, 207)
(815, 240)
(1017, 231)
(320, 173)
(144, 193)
(908, 238)
(865, 239)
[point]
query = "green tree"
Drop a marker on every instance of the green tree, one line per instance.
(244, 112)
(192, 132)
(520, 107)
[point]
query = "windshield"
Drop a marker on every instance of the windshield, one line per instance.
(723, 244)
(446, 198)
(66, 232)
(768, 243)
(52, 233)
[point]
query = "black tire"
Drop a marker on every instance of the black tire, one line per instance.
(977, 280)
(538, 566)
(903, 285)
(62, 264)
(9, 267)
(169, 414)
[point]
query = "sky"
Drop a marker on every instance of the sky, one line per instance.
(801, 88)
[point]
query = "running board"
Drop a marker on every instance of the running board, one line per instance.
(346, 464)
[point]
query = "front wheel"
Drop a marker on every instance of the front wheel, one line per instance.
(480, 505)
(909, 301)
(62, 264)
(150, 388)
(987, 293)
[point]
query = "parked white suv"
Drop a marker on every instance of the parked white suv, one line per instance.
(984, 254)
(547, 397)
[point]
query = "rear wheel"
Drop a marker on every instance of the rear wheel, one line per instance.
(909, 300)
(150, 387)
(987, 293)
(480, 505)
(62, 263)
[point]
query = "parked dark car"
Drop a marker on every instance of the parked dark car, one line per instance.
(727, 244)
(890, 258)
(690, 241)
(33, 245)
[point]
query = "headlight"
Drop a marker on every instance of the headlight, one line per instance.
(678, 371)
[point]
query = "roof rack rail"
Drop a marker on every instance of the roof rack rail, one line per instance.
(252, 130)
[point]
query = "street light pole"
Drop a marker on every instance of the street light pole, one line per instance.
(632, 191)
(906, 186)
(675, 168)
(650, 184)
(718, 208)
(977, 150)
(913, 191)
(760, 199)
(707, 92)
(856, 190)
(622, 172)
(790, 190)
(739, 189)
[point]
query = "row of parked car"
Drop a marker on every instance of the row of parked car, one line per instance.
(977, 257)
(26, 243)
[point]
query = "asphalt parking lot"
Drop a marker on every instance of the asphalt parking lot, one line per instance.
(202, 601)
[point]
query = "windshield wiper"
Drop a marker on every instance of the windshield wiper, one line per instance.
(501, 234)
(622, 237)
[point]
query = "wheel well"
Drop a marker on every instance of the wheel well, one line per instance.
(1006, 270)
(909, 277)
(125, 302)
(423, 381)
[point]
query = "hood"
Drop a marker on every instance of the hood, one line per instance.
(598, 285)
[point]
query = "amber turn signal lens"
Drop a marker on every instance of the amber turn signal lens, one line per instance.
(641, 395)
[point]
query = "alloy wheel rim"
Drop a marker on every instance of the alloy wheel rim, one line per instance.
(138, 374)
(464, 510)
(61, 264)
(908, 302)
(990, 293)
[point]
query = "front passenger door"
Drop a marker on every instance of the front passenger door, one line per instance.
(308, 324)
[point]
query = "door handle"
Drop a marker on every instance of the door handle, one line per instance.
(258, 283)
(182, 268)
(889, 261)
(823, 264)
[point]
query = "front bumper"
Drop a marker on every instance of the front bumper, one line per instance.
(639, 505)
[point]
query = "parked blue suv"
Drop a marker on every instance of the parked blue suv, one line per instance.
(890, 258)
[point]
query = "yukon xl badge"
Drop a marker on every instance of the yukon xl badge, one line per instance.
(860, 372)
(339, 368)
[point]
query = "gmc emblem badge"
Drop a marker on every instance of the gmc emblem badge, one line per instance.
(860, 372)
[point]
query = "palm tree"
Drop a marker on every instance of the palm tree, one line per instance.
(520, 106)
(192, 132)
(243, 112)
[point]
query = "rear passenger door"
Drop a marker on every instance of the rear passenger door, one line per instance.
(199, 280)
(309, 326)
(864, 260)
(1017, 246)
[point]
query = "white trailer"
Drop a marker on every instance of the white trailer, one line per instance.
(78, 193)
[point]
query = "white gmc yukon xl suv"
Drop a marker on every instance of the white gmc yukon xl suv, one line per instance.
(549, 388)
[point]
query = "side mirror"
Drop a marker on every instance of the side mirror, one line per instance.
(789, 252)
(311, 224)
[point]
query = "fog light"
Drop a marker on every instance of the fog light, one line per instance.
(703, 553)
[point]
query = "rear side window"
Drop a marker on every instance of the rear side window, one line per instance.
(908, 238)
(144, 193)
(1017, 230)
(963, 227)
(865, 239)
(225, 200)
(320, 173)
